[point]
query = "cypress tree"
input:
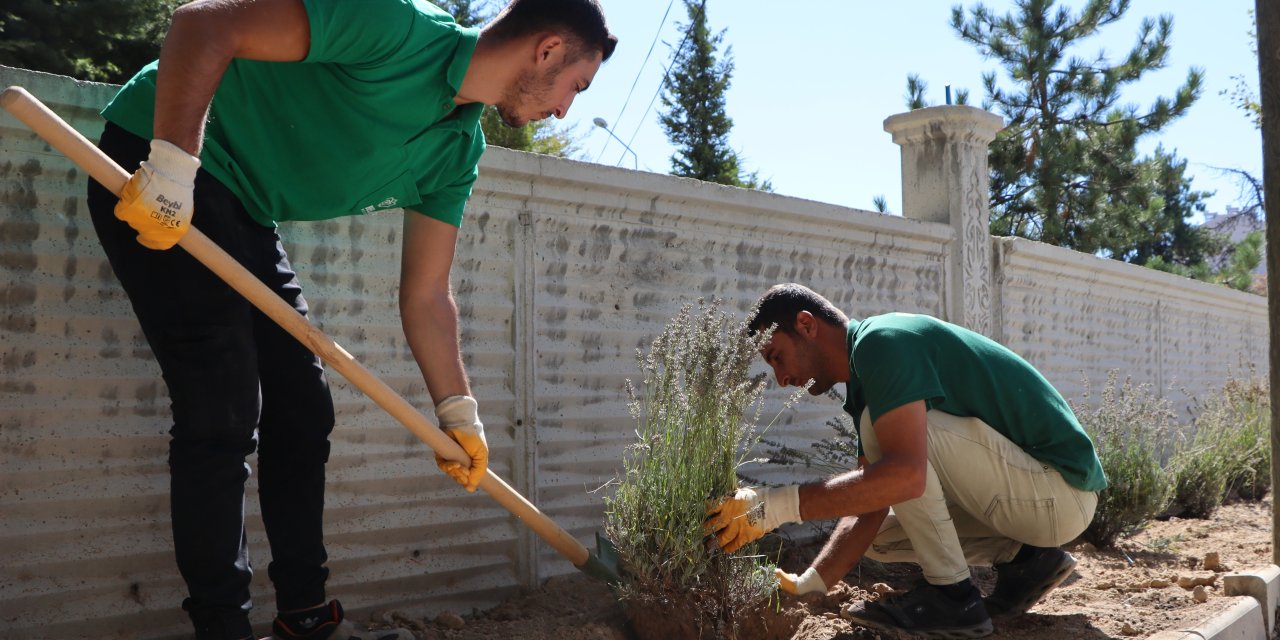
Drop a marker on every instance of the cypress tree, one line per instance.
(694, 95)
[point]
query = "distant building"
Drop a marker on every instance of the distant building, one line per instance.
(1235, 225)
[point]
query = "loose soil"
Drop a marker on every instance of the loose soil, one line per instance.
(1143, 586)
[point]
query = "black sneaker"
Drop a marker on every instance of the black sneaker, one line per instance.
(327, 622)
(1020, 585)
(926, 612)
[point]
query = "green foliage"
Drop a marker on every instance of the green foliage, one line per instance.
(1236, 272)
(1199, 475)
(96, 40)
(880, 203)
(1245, 256)
(1230, 453)
(1128, 427)
(468, 13)
(697, 421)
(1066, 170)
(916, 88)
(538, 136)
(696, 122)
(1241, 414)
(1243, 97)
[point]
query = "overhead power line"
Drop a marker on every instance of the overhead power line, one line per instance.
(702, 7)
(618, 119)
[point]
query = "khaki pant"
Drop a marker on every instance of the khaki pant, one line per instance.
(984, 498)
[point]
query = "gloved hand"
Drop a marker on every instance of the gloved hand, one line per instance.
(156, 201)
(750, 513)
(807, 582)
(459, 418)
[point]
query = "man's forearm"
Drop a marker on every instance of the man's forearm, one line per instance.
(431, 328)
(846, 546)
(864, 490)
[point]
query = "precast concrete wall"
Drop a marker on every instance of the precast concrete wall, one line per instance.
(563, 270)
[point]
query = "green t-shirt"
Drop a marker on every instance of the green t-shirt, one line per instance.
(365, 122)
(899, 358)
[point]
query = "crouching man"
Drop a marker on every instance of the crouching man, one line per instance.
(967, 456)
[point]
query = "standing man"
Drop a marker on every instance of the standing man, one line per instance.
(265, 111)
(980, 458)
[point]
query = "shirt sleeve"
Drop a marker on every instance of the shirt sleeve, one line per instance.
(447, 204)
(371, 31)
(896, 368)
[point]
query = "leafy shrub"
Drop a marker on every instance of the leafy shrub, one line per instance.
(1241, 415)
(1199, 472)
(1128, 427)
(1229, 455)
(697, 421)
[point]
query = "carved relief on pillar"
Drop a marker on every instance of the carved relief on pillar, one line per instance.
(974, 234)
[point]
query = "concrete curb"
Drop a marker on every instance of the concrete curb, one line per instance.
(1251, 617)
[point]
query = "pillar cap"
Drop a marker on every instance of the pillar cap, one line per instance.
(947, 122)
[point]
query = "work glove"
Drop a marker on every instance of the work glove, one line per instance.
(807, 582)
(156, 201)
(750, 513)
(459, 418)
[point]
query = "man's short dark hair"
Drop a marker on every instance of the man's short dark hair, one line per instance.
(782, 302)
(580, 22)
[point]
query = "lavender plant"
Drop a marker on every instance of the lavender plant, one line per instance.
(1238, 418)
(1130, 427)
(698, 414)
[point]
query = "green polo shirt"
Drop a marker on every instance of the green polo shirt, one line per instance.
(899, 358)
(365, 122)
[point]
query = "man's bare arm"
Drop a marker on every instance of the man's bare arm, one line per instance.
(203, 39)
(896, 477)
(428, 312)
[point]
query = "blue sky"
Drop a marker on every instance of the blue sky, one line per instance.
(812, 87)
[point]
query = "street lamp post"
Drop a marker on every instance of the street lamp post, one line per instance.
(600, 122)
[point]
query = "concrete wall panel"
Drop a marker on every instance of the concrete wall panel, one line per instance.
(563, 270)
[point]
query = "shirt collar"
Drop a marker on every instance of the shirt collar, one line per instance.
(467, 38)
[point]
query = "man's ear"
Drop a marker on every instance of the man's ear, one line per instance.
(549, 48)
(806, 324)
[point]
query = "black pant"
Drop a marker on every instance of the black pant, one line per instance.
(237, 382)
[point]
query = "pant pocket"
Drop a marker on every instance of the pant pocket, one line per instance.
(1033, 522)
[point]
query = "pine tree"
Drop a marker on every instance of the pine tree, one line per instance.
(1066, 169)
(694, 95)
(96, 40)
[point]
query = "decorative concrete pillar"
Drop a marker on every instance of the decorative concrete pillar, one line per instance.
(945, 180)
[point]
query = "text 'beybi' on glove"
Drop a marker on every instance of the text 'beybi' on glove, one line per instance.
(157, 199)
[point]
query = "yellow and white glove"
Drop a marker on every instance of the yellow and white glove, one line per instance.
(459, 418)
(156, 201)
(807, 582)
(749, 513)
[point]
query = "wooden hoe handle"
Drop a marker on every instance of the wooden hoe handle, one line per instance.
(87, 156)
